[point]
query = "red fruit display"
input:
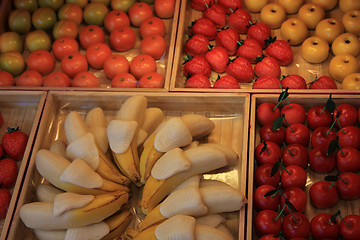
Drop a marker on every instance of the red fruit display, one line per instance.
(91, 34)
(267, 66)
(293, 81)
(96, 54)
(297, 133)
(197, 45)
(321, 227)
(229, 5)
(5, 197)
(115, 19)
(56, 79)
(73, 64)
(205, 27)
(266, 82)
(201, 4)
(218, 59)
(196, 64)
(296, 196)
(249, 49)
(241, 69)
(294, 113)
(198, 81)
(264, 223)
(348, 115)
(280, 50)
(226, 82)
(349, 136)
(320, 161)
(262, 176)
(348, 186)
(348, 159)
(122, 39)
(85, 79)
(293, 176)
(142, 64)
(267, 113)
(64, 46)
(8, 172)
(318, 116)
(151, 26)
(216, 14)
(296, 225)
(259, 32)
(263, 202)
(295, 154)
(351, 229)
(240, 20)
(267, 152)
(323, 82)
(322, 195)
(14, 143)
(268, 134)
(41, 61)
(228, 38)
(322, 136)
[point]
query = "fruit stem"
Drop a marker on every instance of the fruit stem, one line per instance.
(292, 215)
(231, 10)
(287, 122)
(288, 149)
(312, 79)
(332, 184)
(332, 125)
(323, 110)
(337, 119)
(282, 210)
(348, 225)
(343, 180)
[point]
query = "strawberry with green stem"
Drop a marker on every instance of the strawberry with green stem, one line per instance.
(216, 14)
(241, 69)
(201, 4)
(196, 65)
(226, 82)
(230, 4)
(203, 26)
(249, 49)
(228, 39)
(197, 81)
(280, 50)
(240, 20)
(267, 66)
(218, 58)
(323, 82)
(197, 44)
(5, 198)
(14, 143)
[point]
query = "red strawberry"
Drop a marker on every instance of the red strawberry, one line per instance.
(267, 66)
(229, 5)
(14, 143)
(8, 172)
(201, 4)
(293, 82)
(216, 14)
(205, 27)
(198, 81)
(228, 38)
(240, 20)
(259, 32)
(197, 45)
(196, 64)
(250, 49)
(1, 120)
(323, 82)
(267, 82)
(218, 59)
(226, 82)
(280, 50)
(5, 197)
(2, 153)
(241, 69)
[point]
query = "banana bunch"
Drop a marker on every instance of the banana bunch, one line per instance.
(183, 227)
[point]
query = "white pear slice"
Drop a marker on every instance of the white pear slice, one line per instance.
(205, 158)
(120, 134)
(212, 183)
(47, 192)
(142, 135)
(212, 220)
(94, 231)
(50, 234)
(169, 164)
(203, 232)
(179, 227)
(173, 134)
(96, 118)
(198, 125)
(186, 201)
(74, 126)
(84, 148)
(155, 132)
(58, 147)
(225, 230)
(79, 173)
(193, 144)
(153, 117)
(230, 154)
(193, 181)
(68, 200)
(100, 134)
(133, 109)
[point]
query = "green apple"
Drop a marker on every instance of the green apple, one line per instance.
(106, 2)
(36, 40)
(11, 41)
(20, 21)
(94, 13)
(53, 4)
(12, 62)
(29, 5)
(122, 5)
(44, 18)
(80, 3)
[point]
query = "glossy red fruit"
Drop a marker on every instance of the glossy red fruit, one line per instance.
(226, 82)
(293, 81)
(296, 196)
(294, 113)
(96, 54)
(281, 51)
(57, 79)
(228, 38)
(323, 82)
(259, 32)
(205, 27)
(5, 198)
(321, 227)
(348, 115)
(322, 195)
(141, 65)
(218, 59)
(201, 4)
(267, 113)
(8, 172)
(198, 81)
(249, 49)
(318, 116)
(197, 65)
(216, 14)
(322, 136)
(351, 230)
(264, 223)
(297, 133)
(122, 39)
(151, 80)
(268, 134)
(293, 176)
(197, 45)
(267, 153)
(14, 143)
(30, 78)
(124, 80)
(6, 79)
(241, 69)
(296, 225)
(266, 82)
(64, 46)
(73, 64)
(41, 61)
(348, 186)
(229, 5)
(320, 161)
(262, 176)
(262, 202)
(85, 79)
(267, 66)
(349, 136)
(115, 19)
(91, 34)
(295, 154)
(348, 159)
(239, 20)
(152, 26)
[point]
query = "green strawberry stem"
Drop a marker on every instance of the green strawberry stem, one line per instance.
(331, 127)
(347, 224)
(284, 144)
(287, 122)
(283, 166)
(207, 6)
(340, 126)
(332, 184)
(231, 10)
(12, 129)
(282, 210)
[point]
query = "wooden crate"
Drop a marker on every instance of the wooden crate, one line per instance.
(23, 110)
(298, 66)
(307, 101)
(164, 64)
(228, 111)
